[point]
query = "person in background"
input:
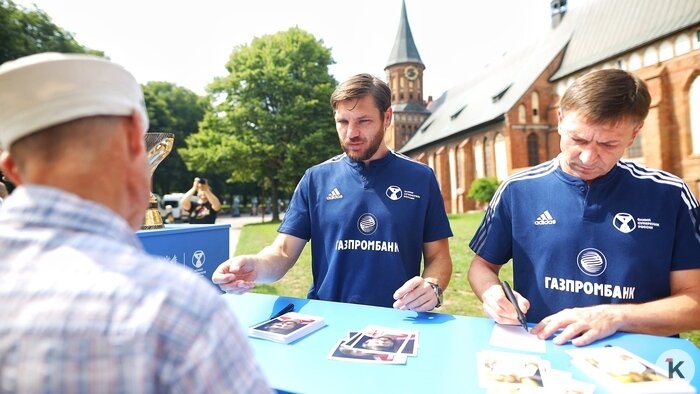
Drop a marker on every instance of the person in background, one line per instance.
(83, 307)
(371, 214)
(599, 244)
(169, 217)
(3, 193)
(204, 211)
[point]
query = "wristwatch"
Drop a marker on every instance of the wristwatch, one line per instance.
(438, 293)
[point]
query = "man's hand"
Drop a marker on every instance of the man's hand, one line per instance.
(236, 276)
(581, 326)
(498, 308)
(416, 294)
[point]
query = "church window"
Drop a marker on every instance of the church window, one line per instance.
(501, 161)
(535, 98)
(533, 155)
(694, 96)
(522, 113)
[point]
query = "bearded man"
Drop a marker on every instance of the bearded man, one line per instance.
(371, 215)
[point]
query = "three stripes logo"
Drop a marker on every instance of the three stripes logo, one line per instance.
(334, 195)
(544, 219)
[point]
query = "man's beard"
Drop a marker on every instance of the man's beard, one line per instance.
(369, 152)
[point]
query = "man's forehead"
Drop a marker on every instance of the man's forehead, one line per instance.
(355, 108)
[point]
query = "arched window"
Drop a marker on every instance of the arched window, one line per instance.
(501, 157)
(488, 157)
(533, 150)
(665, 50)
(535, 98)
(635, 62)
(682, 44)
(651, 57)
(459, 167)
(522, 112)
(694, 99)
(479, 159)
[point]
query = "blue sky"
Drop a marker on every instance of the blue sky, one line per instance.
(188, 43)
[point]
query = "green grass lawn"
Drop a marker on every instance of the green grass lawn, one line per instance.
(458, 298)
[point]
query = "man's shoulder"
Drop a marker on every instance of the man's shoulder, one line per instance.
(533, 175)
(327, 164)
(642, 173)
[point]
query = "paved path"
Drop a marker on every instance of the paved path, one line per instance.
(236, 226)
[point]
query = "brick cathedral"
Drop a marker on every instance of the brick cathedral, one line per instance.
(506, 119)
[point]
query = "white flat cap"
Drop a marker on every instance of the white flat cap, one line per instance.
(48, 89)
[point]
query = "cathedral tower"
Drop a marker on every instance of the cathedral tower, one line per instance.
(404, 74)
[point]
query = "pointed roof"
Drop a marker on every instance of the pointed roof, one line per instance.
(405, 50)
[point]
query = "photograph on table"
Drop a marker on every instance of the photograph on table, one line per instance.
(376, 339)
(343, 353)
(287, 328)
(511, 371)
(411, 348)
(622, 371)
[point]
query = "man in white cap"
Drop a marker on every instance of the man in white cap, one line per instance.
(82, 307)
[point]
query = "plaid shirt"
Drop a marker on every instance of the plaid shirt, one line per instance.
(83, 309)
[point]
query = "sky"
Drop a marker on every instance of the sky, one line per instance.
(189, 43)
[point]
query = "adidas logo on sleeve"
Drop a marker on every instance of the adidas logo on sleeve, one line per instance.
(334, 195)
(544, 219)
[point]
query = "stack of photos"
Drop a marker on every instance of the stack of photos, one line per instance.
(507, 372)
(375, 344)
(622, 371)
(287, 328)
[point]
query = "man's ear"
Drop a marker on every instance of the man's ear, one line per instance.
(9, 168)
(135, 137)
(559, 118)
(387, 117)
(636, 131)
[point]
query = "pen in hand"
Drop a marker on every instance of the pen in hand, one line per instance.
(511, 298)
(288, 308)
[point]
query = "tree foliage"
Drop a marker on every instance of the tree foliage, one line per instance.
(271, 118)
(28, 31)
(483, 189)
(177, 110)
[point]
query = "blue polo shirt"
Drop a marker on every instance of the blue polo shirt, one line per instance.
(367, 226)
(574, 244)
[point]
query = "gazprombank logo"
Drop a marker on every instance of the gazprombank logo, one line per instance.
(591, 262)
(367, 224)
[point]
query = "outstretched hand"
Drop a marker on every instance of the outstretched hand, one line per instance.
(236, 276)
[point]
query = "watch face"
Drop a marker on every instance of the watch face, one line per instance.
(411, 72)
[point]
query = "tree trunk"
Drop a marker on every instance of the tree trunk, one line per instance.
(273, 200)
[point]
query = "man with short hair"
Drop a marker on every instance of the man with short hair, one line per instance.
(83, 307)
(599, 244)
(371, 215)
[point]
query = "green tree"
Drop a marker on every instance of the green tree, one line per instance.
(483, 189)
(28, 31)
(177, 110)
(271, 119)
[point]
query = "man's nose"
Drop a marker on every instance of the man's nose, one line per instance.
(588, 154)
(353, 130)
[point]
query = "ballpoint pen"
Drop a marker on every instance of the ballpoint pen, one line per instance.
(511, 298)
(288, 308)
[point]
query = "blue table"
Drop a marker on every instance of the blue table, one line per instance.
(201, 247)
(446, 361)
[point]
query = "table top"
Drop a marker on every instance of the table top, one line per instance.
(446, 360)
